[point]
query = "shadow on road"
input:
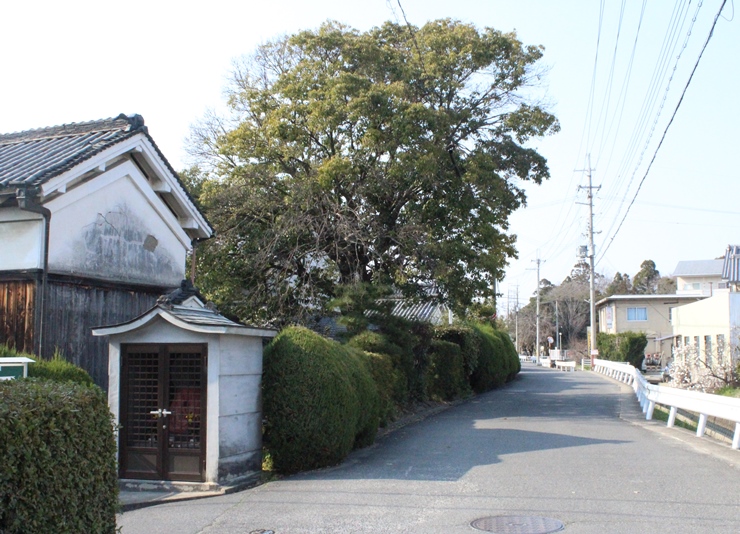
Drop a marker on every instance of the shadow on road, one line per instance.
(488, 427)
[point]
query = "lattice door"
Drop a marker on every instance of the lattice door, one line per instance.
(163, 411)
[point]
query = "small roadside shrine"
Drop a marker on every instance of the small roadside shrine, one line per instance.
(184, 390)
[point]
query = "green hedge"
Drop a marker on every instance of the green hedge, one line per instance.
(497, 359)
(446, 371)
(466, 338)
(622, 347)
(319, 401)
(402, 362)
(57, 369)
(389, 382)
(57, 459)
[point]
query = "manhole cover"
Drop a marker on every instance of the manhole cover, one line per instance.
(517, 524)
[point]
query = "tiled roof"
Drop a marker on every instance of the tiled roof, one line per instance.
(698, 268)
(32, 157)
(201, 316)
(425, 312)
(731, 264)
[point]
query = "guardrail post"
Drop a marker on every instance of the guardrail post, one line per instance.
(650, 410)
(672, 416)
(702, 426)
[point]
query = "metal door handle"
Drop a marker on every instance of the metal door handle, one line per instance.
(166, 412)
(158, 412)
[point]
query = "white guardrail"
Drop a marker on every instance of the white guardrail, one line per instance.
(649, 395)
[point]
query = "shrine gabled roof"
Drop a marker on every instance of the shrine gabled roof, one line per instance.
(193, 317)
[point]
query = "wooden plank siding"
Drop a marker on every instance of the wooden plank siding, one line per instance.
(73, 308)
(17, 306)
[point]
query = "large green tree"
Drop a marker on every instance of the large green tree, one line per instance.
(393, 156)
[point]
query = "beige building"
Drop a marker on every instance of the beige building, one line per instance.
(650, 314)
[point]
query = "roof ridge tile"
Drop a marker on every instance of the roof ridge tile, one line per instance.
(120, 123)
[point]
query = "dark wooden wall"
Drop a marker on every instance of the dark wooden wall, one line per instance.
(17, 305)
(74, 308)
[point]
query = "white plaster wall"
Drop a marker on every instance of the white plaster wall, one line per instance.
(21, 240)
(240, 402)
(707, 317)
(109, 228)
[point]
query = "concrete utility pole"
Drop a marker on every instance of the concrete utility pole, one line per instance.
(557, 328)
(537, 322)
(591, 254)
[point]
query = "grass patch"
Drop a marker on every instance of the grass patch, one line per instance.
(728, 391)
(661, 414)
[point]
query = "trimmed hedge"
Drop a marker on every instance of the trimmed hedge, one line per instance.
(57, 369)
(319, 401)
(497, 359)
(388, 381)
(465, 338)
(446, 371)
(402, 362)
(622, 347)
(57, 459)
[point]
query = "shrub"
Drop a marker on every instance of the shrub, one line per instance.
(59, 370)
(446, 371)
(511, 359)
(492, 370)
(318, 401)
(623, 347)
(388, 381)
(57, 459)
(401, 360)
(465, 338)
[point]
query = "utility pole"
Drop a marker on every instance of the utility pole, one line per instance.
(537, 322)
(516, 320)
(592, 298)
(557, 328)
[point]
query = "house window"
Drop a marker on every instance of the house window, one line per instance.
(687, 341)
(696, 286)
(697, 346)
(637, 314)
(670, 315)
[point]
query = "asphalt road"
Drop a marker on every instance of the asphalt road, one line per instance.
(571, 447)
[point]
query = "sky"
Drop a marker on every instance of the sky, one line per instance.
(664, 174)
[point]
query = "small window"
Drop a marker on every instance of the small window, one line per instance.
(697, 346)
(637, 314)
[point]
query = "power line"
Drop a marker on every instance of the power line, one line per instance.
(665, 132)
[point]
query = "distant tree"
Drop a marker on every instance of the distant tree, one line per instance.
(645, 281)
(620, 285)
(581, 273)
(573, 308)
(666, 285)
